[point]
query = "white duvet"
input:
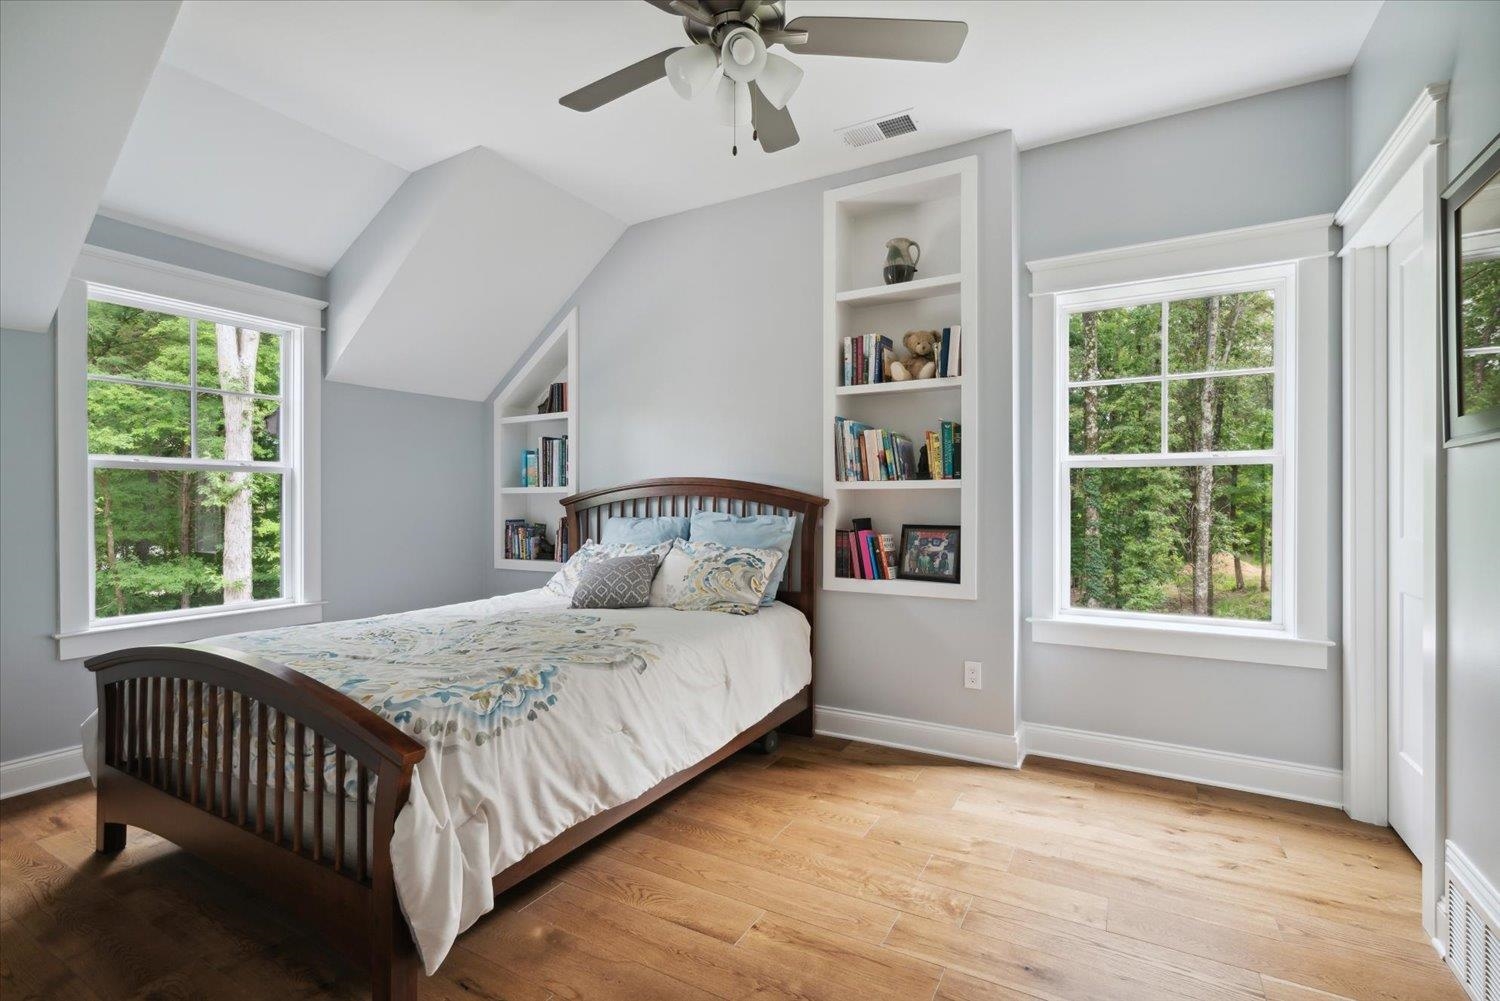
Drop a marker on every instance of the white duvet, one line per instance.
(536, 717)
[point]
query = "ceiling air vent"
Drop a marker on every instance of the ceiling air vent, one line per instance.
(876, 129)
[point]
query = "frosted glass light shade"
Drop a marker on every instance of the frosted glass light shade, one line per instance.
(691, 68)
(779, 80)
(744, 55)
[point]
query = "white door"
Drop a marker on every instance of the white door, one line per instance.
(1411, 416)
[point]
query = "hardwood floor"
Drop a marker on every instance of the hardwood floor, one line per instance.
(830, 870)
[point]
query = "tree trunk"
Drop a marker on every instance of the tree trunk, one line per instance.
(109, 543)
(237, 347)
(185, 532)
(1239, 566)
(1203, 482)
(1093, 555)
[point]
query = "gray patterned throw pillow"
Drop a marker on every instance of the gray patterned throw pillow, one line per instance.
(622, 582)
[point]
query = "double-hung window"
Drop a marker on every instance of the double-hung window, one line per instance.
(186, 464)
(1183, 427)
(1173, 470)
(186, 458)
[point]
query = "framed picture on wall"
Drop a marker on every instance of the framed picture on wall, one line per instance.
(1471, 300)
(929, 552)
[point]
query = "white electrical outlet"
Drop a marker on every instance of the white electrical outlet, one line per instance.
(971, 674)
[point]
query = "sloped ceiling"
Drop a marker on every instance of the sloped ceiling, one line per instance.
(456, 276)
(222, 169)
(71, 78)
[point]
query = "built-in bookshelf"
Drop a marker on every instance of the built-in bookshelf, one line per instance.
(519, 428)
(938, 207)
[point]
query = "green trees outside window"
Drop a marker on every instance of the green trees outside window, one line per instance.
(168, 397)
(1171, 456)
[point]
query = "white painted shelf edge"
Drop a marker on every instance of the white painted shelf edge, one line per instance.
(921, 288)
(898, 587)
(561, 415)
(898, 484)
(544, 566)
(909, 386)
(536, 490)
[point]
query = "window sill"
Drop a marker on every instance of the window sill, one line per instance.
(1254, 646)
(106, 638)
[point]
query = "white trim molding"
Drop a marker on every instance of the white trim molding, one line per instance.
(1252, 646)
(982, 747)
(1404, 183)
(1424, 123)
(1295, 257)
(39, 771)
(1265, 776)
(119, 277)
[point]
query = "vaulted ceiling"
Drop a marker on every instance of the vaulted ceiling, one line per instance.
(417, 154)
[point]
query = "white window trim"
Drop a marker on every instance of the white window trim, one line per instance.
(300, 320)
(1298, 253)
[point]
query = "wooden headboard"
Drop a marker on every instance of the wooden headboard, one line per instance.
(587, 513)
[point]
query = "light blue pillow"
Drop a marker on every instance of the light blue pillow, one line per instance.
(644, 531)
(756, 531)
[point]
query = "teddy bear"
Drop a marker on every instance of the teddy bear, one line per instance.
(921, 360)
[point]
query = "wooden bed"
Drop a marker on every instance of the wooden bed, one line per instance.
(167, 741)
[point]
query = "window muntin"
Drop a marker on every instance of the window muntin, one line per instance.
(1172, 420)
(188, 477)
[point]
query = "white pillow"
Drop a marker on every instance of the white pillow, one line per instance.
(565, 581)
(706, 576)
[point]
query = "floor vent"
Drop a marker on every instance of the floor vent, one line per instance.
(876, 129)
(1473, 945)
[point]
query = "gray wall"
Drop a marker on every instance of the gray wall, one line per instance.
(1409, 46)
(699, 355)
(1268, 158)
(403, 502)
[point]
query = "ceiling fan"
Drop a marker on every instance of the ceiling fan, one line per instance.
(752, 86)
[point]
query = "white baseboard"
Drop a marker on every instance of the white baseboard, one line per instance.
(1268, 776)
(980, 746)
(38, 771)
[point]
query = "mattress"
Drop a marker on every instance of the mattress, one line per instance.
(536, 717)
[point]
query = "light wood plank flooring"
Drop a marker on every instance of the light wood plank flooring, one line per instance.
(830, 870)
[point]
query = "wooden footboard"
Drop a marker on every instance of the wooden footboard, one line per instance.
(245, 763)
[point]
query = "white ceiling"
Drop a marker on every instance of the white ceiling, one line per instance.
(217, 167)
(414, 83)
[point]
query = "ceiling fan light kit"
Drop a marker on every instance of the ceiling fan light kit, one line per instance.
(729, 41)
(691, 68)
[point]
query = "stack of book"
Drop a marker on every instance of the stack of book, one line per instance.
(862, 452)
(564, 546)
(556, 401)
(945, 452)
(526, 541)
(864, 554)
(864, 359)
(546, 465)
(948, 354)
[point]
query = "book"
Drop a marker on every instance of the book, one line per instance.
(946, 430)
(888, 554)
(556, 400)
(862, 452)
(841, 567)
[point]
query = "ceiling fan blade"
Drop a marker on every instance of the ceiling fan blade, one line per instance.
(664, 5)
(774, 128)
(619, 83)
(772, 36)
(881, 38)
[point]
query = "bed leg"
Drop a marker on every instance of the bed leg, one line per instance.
(800, 724)
(394, 966)
(109, 839)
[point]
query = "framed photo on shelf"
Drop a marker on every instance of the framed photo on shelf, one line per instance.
(929, 552)
(1471, 294)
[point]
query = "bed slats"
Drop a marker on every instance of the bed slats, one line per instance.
(225, 752)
